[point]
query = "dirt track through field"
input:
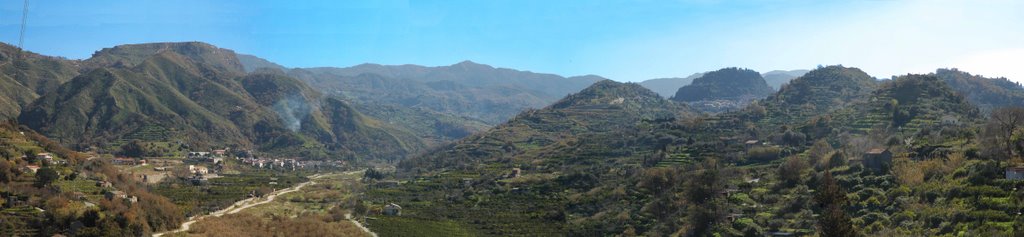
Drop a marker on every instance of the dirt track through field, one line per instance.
(251, 202)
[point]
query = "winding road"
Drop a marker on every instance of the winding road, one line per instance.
(237, 207)
(251, 202)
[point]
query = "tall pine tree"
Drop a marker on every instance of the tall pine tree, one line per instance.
(831, 199)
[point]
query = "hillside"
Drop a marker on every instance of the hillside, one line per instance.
(130, 55)
(251, 63)
(667, 87)
(562, 151)
(581, 167)
(467, 89)
(50, 190)
(817, 92)
(24, 76)
(198, 94)
(907, 104)
(603, 109)
(986, 93)
(777, 78)
(724, 89)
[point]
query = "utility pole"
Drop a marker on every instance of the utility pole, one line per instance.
(24, 20)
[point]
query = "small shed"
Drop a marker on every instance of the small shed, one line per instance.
(1015, 173)
(392, 209)
(30, 168)
(751, 144)
(111, 195)
(877, 159)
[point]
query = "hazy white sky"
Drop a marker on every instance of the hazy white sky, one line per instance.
(625, 40)
(883, 38)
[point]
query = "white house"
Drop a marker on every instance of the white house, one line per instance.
(198, 169)
(45, 156)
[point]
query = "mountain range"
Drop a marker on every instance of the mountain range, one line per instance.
(620, 148)
(667, 87)
(498, 151)
(199, 94)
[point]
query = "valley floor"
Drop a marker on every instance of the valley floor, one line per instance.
(309, 207)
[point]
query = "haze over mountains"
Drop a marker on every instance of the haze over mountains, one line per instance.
(619, 148)
(212, 97)
(667, 87)
(553, 155)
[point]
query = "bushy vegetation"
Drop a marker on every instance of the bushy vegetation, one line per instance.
(694, 176)
(244, 224)
(726, 83)
(63, 197)
(198, 94)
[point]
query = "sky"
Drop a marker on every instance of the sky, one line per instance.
(621, 40)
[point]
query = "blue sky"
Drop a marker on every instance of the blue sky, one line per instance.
(621, 40)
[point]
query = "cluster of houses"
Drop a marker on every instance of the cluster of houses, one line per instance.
(48, 158)
(291, 163)
(215, 157)
(111, 193)
(283, 164)
(42, 158)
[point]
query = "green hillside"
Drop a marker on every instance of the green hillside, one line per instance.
(986, 93)
(815, 93)
(726, 83)
(63, 195)
(723, 90)
(24, 76)
(198, 94)
(467, 89)
(589, 165)
(562, 150)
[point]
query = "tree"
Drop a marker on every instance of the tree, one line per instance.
(791, 170)
(831, 199)
(133, 149)
(45, 176)
(702, 190)
(7, 171)
(999, 131)
(372, 173)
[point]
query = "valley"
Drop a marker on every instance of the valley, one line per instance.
(317, 201)
(189, 139)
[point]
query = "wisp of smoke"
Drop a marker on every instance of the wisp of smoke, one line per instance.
(292, 110)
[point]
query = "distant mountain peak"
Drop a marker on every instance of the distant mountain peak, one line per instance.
(608, 92)
(726, 83)
(252, 63)
(472, 65)
(133, 54)
(667, 87)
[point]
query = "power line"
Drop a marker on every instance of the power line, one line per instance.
(24, 21)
